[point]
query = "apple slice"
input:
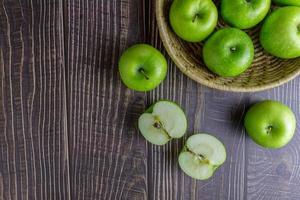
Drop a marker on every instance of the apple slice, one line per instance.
(201, 156)
(162, 121)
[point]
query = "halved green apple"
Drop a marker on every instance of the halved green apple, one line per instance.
(162, 121)
(201, 156)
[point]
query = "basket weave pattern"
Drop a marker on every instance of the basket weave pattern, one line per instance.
(265, 72)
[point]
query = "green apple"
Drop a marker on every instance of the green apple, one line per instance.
(280, 33)
(270, 124)
(201, 156)
(142, 67)
(193, 20)
(161, 122)
(244, 14)
(287, 2)
(228, 52)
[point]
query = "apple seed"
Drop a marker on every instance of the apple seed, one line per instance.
(157, 124)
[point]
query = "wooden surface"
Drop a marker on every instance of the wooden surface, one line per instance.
(68, 124)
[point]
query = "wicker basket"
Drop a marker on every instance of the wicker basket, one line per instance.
(266, 71)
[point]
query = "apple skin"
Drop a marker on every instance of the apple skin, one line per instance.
(142, 67)
(270, 124)
(228, 52)
(287, 2)
(243, 14)
(193, 20)
(279, 34)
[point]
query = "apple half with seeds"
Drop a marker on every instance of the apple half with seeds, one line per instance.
(201, 156)
(162, 122)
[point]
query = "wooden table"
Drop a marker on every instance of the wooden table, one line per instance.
(68, 124)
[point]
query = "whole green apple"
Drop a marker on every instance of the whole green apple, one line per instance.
(193, 20)
(162, 122)
(270, 124)
(244, 14)
(142, 67)
(201, 156)
(280, 33)
(228, 52)
(287, 2)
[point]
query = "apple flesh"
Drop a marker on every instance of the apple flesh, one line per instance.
(270, 124)
(287, 2)
(162, 122)
(142, 67)
(193, 20)
(201, 156)
(228, 52)
(280, 33)
(244, 14)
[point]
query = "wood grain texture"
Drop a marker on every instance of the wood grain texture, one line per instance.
(68, 125)
(107, 156)
(33, 139)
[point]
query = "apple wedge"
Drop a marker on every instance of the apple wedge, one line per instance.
(162, 121)
(201, 156)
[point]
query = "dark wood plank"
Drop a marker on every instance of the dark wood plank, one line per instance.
(107, 155)
(33, 136)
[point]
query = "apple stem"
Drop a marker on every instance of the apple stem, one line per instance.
(142, 71)
(269, 129)
(232, 48)
(196, 16)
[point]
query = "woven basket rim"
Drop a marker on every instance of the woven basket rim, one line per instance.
(164, 35)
